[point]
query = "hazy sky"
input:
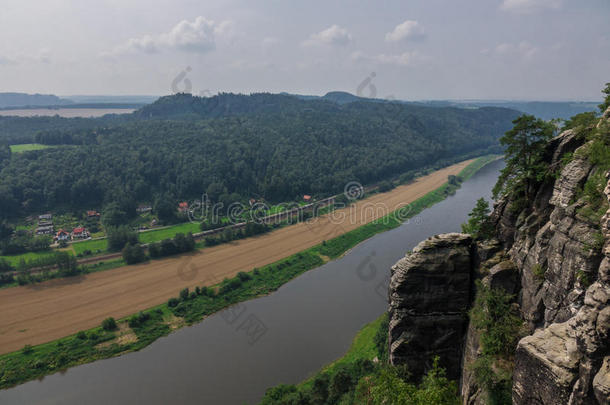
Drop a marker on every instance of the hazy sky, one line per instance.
(418, 49)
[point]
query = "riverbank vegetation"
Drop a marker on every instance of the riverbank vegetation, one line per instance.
(363, 376)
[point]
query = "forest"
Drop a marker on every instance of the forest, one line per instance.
(232, 147)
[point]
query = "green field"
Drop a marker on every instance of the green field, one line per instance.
(91, 245)
(14, 260)
(145, 237)
(28, 147)
(166, 233)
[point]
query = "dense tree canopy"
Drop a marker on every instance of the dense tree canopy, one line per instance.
(282, 152)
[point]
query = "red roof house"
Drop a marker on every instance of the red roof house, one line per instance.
(62, 235)
(183, 206)
(80, 233)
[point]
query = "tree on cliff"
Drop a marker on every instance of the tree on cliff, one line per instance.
(524, 152)
(478, 224)
(604, 106)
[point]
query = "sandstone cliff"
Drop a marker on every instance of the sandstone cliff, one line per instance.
(553, 255)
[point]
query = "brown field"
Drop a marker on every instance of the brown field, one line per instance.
(47, 311)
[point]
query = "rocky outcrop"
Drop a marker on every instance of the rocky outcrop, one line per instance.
(430, 292)
(565, 360)
(558, 364)
(550, 256)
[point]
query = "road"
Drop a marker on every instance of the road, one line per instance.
(43, 312)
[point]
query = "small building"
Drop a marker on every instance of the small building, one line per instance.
(80, 233)
(62, 235)
(252, 201)
(143, 209)
(307, 197)
(45, 217)
(183, 206)
(44, 230)
(93, 214)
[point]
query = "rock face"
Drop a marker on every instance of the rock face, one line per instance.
(558, 364)
(553, 255)
(430, 291)
(565, 288)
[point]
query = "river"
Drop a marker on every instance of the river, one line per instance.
(306, 324)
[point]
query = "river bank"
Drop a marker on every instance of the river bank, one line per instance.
(161, 320)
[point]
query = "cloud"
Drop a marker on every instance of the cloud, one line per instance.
(40, 56)
(5, 60)
(403, 59)
(523, 50)
(334, 35)
(529, 6)
(408, 30)
(198, 36)
(269, 42)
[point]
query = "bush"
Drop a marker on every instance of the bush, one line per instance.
(340, 383)
(120, 236)
(139, 319)
(230, 285)
(180, 244)
(381, 339)
(109, 324)
(133, 254)
(27, 349)
(173, 302)
(538, 272)
(494, 316)
(5, 266)
(385, 186)
(244, 276)
(184, 294)
(81, 335)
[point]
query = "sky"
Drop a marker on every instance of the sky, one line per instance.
(405, 49)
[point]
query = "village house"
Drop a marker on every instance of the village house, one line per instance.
(93, 214)
(62, 235)
(307, 197)
(80, 233)
(183, 206)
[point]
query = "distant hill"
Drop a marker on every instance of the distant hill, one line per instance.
(543, 109)
(24, 100)
(339, 97)
(186, 106)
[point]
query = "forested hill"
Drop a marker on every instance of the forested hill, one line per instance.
(299, 148)
(227, 104)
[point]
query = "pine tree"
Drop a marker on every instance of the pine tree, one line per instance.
(525, 145)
